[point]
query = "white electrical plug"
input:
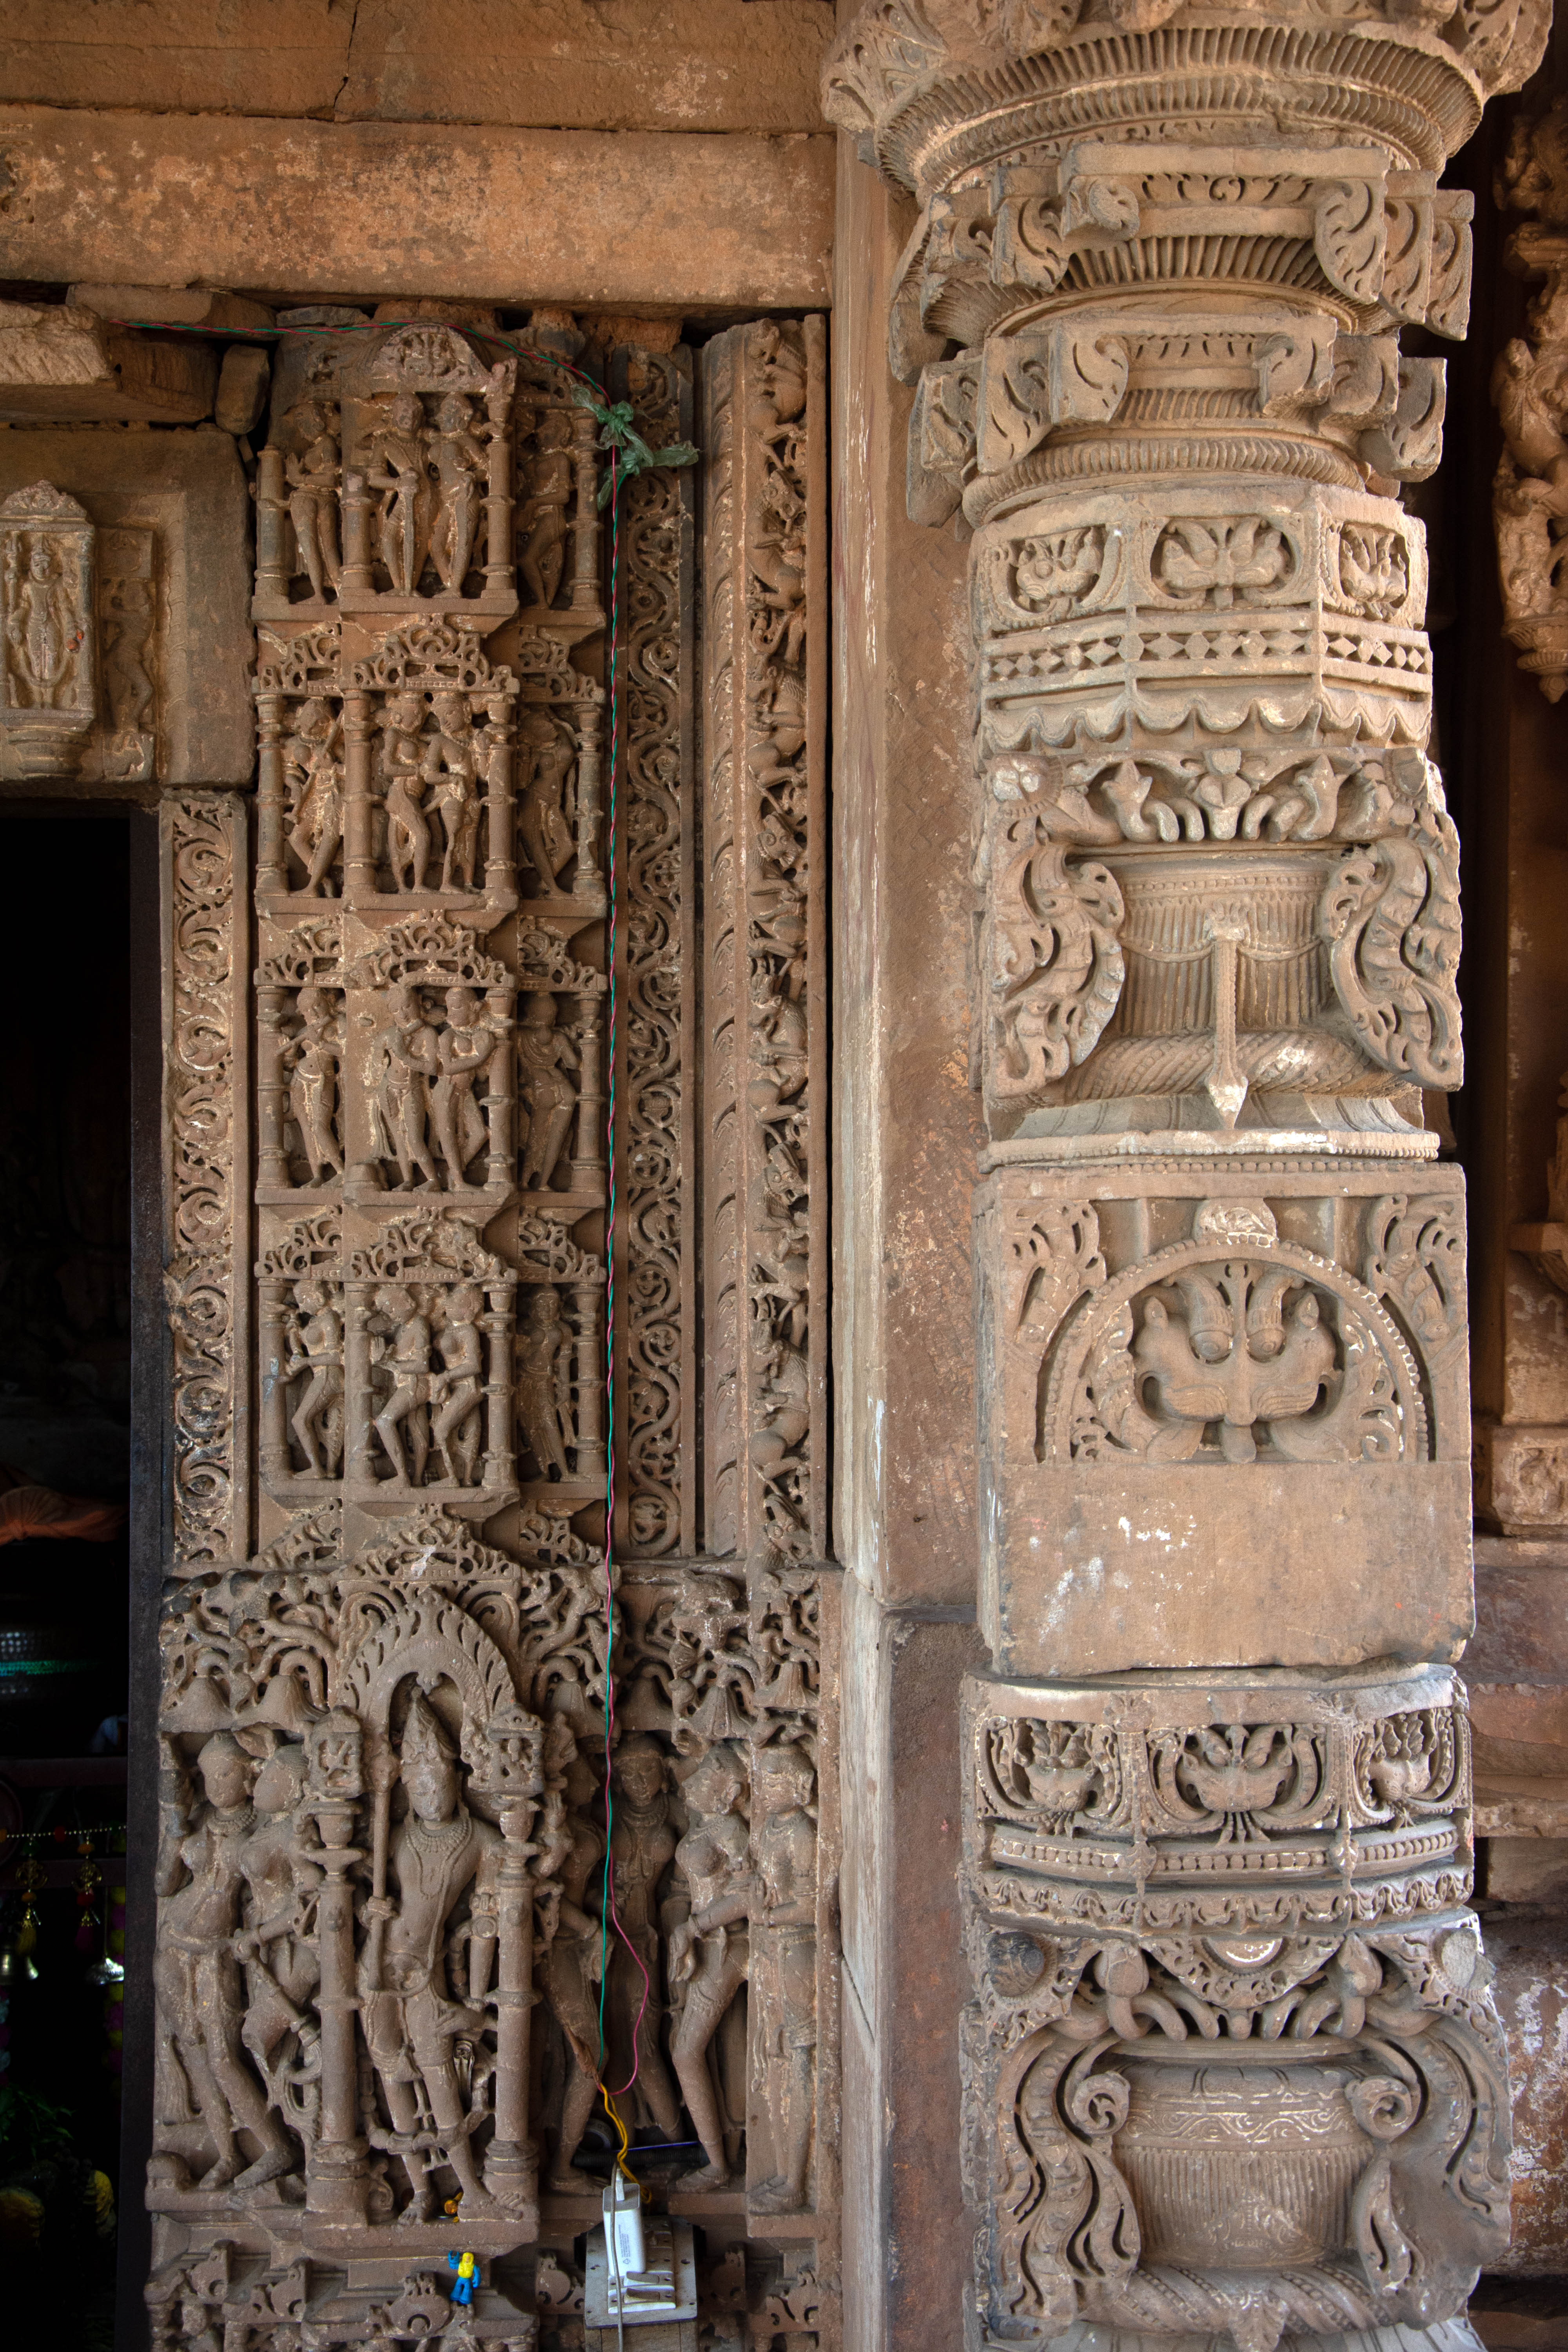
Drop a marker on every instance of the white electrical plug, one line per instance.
(623, 2227)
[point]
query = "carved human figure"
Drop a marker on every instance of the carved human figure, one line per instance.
(463, 1046)
(544, 1090)
(779, 1043)
(545, 819)
(46, 628)
(783, 1260)
(195, 1964)
(783, 1965)
(277, 1946)
(542, 555)
(784, 1395)
(778, 560)
(569, 1962)
(642, 1846)
(403, 1059)
(709, 1951)
(539, 1401)
(460, 470)
(449, 770)
(454, 1425)
(412, 2023)
(402, 766)
(314, 474)
(314, 776)
(312, 1060)
(403, 1352)
(127, 609)
(397, 467)
(316, 1355)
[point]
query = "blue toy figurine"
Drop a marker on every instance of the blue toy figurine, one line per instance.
(467, 2269)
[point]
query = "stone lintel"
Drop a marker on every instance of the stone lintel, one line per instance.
(516, 216)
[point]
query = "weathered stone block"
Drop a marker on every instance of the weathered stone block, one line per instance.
(1226, 1415)
(64, 363)
(1530, 1960)
(589, 219)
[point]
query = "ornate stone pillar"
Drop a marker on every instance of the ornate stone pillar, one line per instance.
(1232, 2072)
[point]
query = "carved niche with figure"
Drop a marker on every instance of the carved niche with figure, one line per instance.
(393, 1972)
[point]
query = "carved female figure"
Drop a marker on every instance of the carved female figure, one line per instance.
(201, 1999)
(411, 2021)
(545, 819)
(570, 1964)
(549, 1095)
(404, 1058)
(407, 1363)
(709, 1952)
(315, 780)
(642, 1844)
(455, 1428)
(277, 1946)
(461, 470)
(539, 1346)
(542, 555)
(312, 1060)
(401, 760)
(462, 1048)
(313, 476)
(397, 468)
(317, 1419)
(783, 1965)
(450, 766)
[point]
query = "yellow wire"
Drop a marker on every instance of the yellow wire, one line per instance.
(614, 2114)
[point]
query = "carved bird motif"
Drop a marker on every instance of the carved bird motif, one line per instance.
(1193, 560)
(1216, 1361)
(1055, 573)
(1236, 1770)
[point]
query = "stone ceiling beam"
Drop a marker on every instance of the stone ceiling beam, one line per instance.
(506, 216)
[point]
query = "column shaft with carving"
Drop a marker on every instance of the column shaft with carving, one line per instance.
(1231, 2071)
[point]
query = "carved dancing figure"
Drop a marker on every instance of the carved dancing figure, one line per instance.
(569, 1964)
(545, 821)
(313, 476)
(399, 469)
(408, 1364)
(413, 2026)
(785, 1395)
(549, 1095)
(450, 768)
(539, 1346)
(642, 1844)
(709, 1951)
(455, 1428)
(403, 1059)
(316, 1421)
(195, 1964)
(783, 1965)
(460, 473)
(312, 1059)
(462, 1049)
(402, 758)
(315, 780)
(46, 628)
(541, 557)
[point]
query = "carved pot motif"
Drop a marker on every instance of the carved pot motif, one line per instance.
(1240, 2166)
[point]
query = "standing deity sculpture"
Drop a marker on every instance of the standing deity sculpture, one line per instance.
(417, 2025)
(462, 469)
(315, 1357)
(44, 627)
(547, 812)
(642, 1846)
(397, 465)
(313, 1059)
(312, 471)
(783, 1965)
(404, 1060)
(313, 776)
(542, 555)
(571, 1963)
(543, 1354)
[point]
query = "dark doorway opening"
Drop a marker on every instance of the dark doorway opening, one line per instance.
(66, 1412)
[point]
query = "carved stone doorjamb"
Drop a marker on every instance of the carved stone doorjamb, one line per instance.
(1219, 1841)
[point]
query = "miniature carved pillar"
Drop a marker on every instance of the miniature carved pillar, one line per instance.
(1217, 1905)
